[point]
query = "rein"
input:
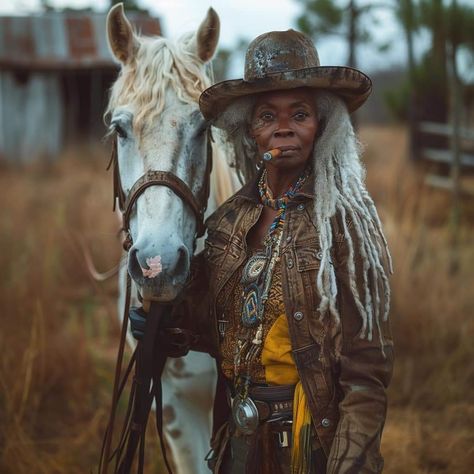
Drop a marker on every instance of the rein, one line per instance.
(159, 339)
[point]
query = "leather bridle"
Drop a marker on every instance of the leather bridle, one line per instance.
(198, 204)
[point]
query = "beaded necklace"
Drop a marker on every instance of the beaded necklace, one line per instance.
(256, 281)
(279, 204)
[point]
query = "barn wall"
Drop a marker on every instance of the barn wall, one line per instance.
(31, 116)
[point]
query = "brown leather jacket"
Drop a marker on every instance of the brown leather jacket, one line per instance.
(345, 388)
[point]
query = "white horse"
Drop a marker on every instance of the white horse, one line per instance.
(153, 110)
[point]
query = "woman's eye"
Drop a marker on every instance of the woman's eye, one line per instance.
(301, 115)
(267, 116)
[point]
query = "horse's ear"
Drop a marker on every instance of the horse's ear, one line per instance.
(122, 41)
(207, 36)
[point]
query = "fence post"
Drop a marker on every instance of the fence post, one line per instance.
(455, 217)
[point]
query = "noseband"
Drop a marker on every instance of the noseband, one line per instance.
(160, 178)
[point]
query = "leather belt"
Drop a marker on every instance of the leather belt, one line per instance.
(263, 404)
(274, 402)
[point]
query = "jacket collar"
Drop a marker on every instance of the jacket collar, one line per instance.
(249, 191)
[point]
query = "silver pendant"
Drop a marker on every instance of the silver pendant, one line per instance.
(253, 269)
(245, 415)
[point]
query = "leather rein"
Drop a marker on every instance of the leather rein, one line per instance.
(159, 340)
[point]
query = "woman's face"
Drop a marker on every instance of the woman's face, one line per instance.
(285, 119)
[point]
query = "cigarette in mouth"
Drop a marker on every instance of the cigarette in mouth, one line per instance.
(270, 154)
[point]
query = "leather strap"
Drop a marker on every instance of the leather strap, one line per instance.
(273, 401)
(272, 393)
(118, 386)
(268, 410)
(163, 178)
(149, 367)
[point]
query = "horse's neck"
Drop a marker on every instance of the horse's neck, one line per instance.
(224, 180)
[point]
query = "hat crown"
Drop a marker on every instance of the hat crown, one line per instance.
(279, 51)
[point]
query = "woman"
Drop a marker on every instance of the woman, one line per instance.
(293, 284)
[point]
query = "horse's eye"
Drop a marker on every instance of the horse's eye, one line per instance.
(120, 131)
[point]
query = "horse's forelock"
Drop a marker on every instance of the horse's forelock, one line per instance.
(159, 64)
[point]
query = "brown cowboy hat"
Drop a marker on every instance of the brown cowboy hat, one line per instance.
(285, 60)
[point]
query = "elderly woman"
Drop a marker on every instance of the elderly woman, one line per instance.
(293, 285)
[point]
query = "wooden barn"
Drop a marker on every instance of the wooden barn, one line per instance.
(55, 71)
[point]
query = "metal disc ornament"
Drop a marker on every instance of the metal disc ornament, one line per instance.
(245, 415)
(253, 269)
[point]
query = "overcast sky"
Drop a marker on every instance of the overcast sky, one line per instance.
(241, 19)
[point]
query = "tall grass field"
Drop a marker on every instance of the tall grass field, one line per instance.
(59, 329)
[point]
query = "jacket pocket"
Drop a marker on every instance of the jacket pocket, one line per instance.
(314, 374)
(307, 255)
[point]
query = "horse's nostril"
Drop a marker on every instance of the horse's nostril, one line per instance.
(133, 263)
(182, 263)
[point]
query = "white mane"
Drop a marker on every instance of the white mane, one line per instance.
(159, 64)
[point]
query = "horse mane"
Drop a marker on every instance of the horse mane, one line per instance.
(158, 64)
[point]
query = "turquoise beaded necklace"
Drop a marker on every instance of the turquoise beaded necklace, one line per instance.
(279, 204)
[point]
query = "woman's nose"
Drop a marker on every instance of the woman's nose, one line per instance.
(283, 128)
(283, 132)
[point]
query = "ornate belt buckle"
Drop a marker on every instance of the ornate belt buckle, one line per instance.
(245, 415)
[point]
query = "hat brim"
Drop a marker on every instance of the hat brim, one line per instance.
(352, 85)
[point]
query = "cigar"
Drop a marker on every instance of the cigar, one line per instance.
(270, 154)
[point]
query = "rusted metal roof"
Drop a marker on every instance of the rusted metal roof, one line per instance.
(61, 40)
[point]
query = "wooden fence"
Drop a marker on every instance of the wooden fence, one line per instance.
(465, 160)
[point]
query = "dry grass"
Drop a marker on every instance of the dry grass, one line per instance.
(431, 416)
(58, 328)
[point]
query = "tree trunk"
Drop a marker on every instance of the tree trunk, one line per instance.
(408, 22)
(455, 146)
(352, 34)
(352, 42)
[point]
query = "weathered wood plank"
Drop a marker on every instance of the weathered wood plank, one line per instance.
(445, 156)
(31, 117)
(445, 129)
(446, 183)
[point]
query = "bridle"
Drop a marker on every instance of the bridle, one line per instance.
(160, 339)
(198, 204)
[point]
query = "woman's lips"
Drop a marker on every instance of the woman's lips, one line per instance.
(287, 148)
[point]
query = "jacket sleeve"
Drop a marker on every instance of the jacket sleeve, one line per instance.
(365, 370)
(192, 312)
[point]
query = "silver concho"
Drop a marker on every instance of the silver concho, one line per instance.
(253, 268)
(245, 415)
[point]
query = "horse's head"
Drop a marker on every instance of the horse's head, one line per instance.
(154, 112)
